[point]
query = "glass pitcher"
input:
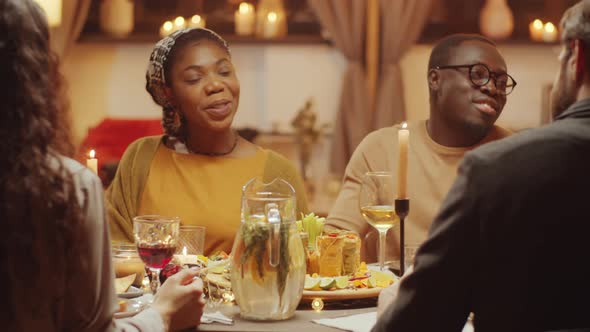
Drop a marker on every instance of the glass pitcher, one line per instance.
(268, 260)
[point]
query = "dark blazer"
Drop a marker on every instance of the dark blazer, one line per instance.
(512, 240)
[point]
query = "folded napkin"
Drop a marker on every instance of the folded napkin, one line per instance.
(355, 323)
(216, 317)
(363, 322)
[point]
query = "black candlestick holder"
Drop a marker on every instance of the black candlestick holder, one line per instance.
(402, 208)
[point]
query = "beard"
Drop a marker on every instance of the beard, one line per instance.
(477, 129)
(563, 95)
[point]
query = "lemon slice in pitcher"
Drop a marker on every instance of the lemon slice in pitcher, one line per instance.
(311, 283)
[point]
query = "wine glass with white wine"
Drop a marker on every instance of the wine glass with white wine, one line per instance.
(376, 202)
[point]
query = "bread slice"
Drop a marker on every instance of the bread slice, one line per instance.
(122, 284)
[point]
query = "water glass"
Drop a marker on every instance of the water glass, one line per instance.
(126, 261)
(192, 238)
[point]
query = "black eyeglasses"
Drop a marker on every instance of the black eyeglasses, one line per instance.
(480, 75)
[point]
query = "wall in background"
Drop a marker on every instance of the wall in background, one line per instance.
(107, 80)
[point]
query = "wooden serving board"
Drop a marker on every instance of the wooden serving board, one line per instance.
(341, 294)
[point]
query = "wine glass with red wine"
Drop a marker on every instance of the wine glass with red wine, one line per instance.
(156, 238)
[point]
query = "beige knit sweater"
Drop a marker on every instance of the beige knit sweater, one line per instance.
(431, 171)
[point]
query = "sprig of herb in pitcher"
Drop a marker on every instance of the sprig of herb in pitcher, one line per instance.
(255, 237)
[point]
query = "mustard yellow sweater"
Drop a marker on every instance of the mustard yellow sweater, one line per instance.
(201, 190)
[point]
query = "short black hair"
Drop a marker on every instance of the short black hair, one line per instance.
(441, 53)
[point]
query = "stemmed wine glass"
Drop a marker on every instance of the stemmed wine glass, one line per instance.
(376, 202)
(156, 238)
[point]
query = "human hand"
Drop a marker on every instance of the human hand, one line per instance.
(183, 289)
(389, 294)
(386, 297)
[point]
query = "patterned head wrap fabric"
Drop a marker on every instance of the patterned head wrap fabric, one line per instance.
(156, 76)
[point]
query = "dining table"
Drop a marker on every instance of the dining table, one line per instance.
(300, 322)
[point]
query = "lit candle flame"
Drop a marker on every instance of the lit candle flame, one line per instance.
(538, 24)
(404, 125)
(179, 21)
(271, 17)
(244, 8)
(549, 27)
(92, 154)
(196, 19)
(184, 251)
(168, 26)
(317, 304)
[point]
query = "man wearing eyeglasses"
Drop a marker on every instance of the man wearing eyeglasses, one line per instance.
(468, 83)
(510, 243)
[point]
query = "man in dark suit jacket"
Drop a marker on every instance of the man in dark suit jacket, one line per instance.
(512, 240)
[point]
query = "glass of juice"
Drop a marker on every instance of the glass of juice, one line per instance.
(376, 203)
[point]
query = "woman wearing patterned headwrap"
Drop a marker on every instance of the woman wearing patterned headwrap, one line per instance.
(197, 169)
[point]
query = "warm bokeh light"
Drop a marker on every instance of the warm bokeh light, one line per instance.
(245, 8)
(404, 125)
(196, 19)
(549, 27)
(92, 154)
(538, 24)
(179, 22)
(52, 9)
(168, 26)
(317, 304)
(271, 17)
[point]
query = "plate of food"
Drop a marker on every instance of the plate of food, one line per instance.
(124, 288)
(334, 269)
(363, 284)
(129, 307)
(132, 292)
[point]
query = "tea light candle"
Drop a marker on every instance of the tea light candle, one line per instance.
(185, 259)
(244, 19)
(549, 33)
(92, 162)
(536, 30)
(166, 29)
(179, 23)
(403, 136)
(271, 26)
(317, 304)
(196, 22)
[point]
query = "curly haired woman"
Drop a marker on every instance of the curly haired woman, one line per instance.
(55, 270)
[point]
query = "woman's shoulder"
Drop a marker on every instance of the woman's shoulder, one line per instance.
(75, 169)
(141, 149)
(85, 181)
(145, 143)
(278, 165)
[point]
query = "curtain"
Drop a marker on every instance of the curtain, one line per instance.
(345, 21)
(74, 14)
(402, 23)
